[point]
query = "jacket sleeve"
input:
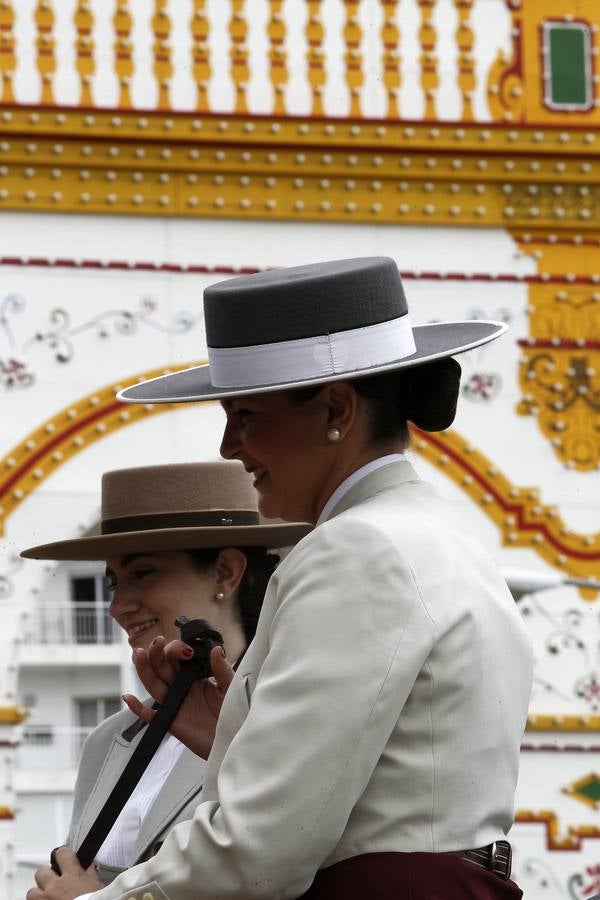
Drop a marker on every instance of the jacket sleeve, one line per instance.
(347, 641)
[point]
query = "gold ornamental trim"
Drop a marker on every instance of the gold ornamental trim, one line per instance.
(556, 839)
(275, 167)
(552, 722)
(12, 715)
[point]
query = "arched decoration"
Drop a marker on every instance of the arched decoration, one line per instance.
(523, 520)
(64, 435)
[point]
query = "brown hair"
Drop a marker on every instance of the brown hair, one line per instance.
(260, 565)
(425, 395)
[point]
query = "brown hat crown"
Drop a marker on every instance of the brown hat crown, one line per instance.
(179, 506)
(177, 496)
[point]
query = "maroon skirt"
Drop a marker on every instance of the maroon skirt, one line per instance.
(409, 876)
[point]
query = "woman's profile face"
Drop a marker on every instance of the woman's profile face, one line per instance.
(149, 590)
(283, 445)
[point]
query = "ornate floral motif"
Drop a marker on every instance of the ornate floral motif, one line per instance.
(573, 632)
(559, 371)
(14, 374)
(582, 886)
(59, 337)
(481, 386)
(536, 873)
(505, 79)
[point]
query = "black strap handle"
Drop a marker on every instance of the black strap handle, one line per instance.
(200, 635)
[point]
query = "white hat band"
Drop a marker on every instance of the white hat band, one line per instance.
(314, 357)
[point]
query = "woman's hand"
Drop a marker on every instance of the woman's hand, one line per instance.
(196, 721)
(73, 882)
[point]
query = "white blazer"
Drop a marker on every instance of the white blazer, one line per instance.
(105, 754)
(380, 707)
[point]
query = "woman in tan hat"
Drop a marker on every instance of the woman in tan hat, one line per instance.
(177, 540)
(368, 745)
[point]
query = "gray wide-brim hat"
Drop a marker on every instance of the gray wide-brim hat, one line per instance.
(307, 325)
(187, 506)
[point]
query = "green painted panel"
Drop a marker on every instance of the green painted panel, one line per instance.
(569, 66)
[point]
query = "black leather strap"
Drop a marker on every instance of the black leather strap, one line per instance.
(147, 746)
(136, 766)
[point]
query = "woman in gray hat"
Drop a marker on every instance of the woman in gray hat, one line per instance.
(368, 745)
(180, 539)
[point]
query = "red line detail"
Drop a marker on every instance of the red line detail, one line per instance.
(31, 461)
(559, 343)
(511, 508)
(196, 268)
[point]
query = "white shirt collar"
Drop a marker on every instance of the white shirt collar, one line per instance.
(352, 479)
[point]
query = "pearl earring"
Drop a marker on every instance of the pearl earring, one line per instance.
(219, 595)
(333, 435)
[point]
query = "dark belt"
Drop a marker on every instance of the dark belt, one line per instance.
(496, 857)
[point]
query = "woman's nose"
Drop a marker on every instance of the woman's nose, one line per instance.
(229, 443)
(122, 602)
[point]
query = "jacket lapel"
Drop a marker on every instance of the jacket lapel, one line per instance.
(116, 759)
(183, 783)
(385, 478)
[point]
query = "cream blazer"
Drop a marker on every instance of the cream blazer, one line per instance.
(105, 754)
(380, 707)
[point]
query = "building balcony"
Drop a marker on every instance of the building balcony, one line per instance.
(49, 747)
(71, 633)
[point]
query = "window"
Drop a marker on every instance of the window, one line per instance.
(91, 620)
(567, 65)
(89, 712)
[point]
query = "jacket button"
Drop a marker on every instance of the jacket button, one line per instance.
(147, 896)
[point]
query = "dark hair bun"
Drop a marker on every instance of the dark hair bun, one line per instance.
(432, 394)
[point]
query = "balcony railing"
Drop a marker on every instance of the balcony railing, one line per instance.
(358, 58)
(50, 747)
(71, 623)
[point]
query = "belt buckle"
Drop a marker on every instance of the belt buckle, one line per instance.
(500, 860)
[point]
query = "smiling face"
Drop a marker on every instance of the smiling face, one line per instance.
(278, 440)
(282, 439)
(149, 590)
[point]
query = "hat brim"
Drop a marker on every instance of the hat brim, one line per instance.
(435, 340)
(160, 540)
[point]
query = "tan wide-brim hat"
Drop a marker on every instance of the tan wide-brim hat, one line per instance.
(185, 506)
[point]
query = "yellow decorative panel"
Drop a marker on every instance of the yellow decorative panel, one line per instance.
(559, 372)
(238, 53)
(314, 55)
(84, 47)
(8, 60)
(429, 74)
(123, 50)
(277, 54)
(353, 57)
(163, 67)
(201, 53)
(533, 17)
(466, 57)
(45, 44)
(390, 57)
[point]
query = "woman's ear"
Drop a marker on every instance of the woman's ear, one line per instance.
(341, 401)
(230, 566)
